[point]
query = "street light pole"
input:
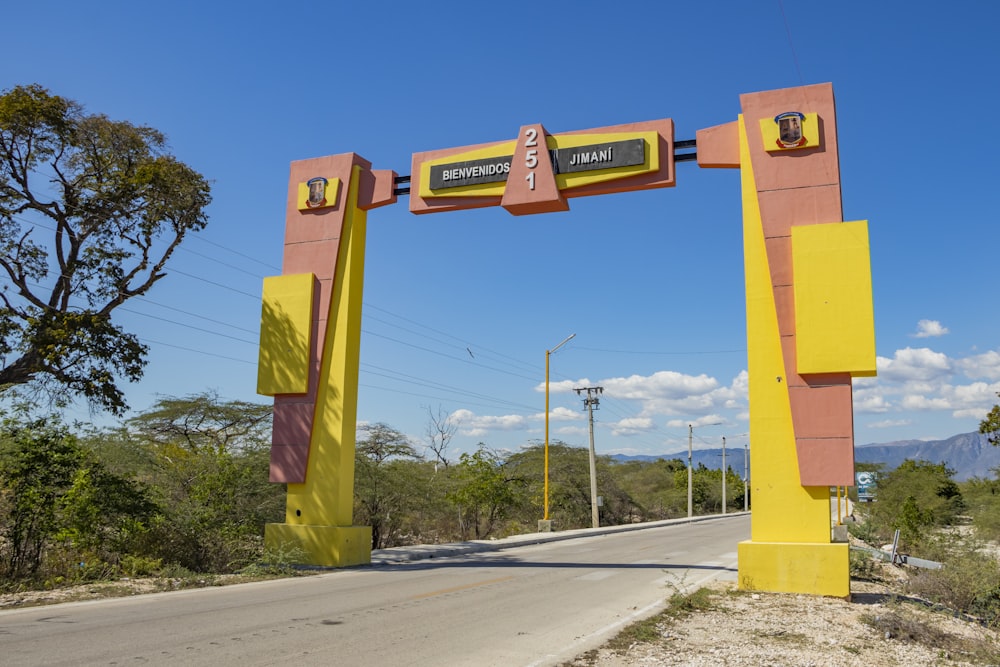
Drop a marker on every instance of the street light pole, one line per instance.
(546, 484)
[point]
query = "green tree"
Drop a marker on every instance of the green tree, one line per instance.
(653, 487)
(991, 425)
(384, 482)
(200, 422)
(59, 498)
(569, 487)
(114, 204)
(915, 497)
(486, 494)
(37, 462)
(207, 461)
(982, 496)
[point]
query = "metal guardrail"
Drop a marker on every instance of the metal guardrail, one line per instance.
(897, 558)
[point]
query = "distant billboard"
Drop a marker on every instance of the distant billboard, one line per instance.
(865, 481)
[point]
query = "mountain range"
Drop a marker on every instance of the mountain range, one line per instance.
(968, 454)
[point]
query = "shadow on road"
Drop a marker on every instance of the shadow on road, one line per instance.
(510, 561)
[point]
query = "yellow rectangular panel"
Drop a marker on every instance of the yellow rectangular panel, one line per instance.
(834, 317)
(790, 131)
(285, 334)
(317, 193)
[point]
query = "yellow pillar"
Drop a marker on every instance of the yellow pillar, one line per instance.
(790, 548)
(318, 512)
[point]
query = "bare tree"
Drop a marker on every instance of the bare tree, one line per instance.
(440, 431)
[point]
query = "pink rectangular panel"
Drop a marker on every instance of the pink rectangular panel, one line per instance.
(319, 257)
(779, 254)
(288, 463)
(822, 412)
(292, 422)
(783, 171)
(782, 209)
(719, 146)
(376, 188)
(826, 461)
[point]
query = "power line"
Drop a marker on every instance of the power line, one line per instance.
(791, 45)
(212, 282)
(201, 317)
(388, 373)
(660, 353)
(276, 269)
(447, 356)
(219, 261)
(186, 326)
(190, 349)
(466, 343)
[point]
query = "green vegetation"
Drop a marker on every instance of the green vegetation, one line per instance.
(990, 426)
(182, 490)
(916, 498)
(941, 520)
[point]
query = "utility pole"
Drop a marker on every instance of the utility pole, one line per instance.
(690, 503)
(690, 438)
(591, 402)
(723, 474)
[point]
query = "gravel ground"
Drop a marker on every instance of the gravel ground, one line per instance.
(750, 629)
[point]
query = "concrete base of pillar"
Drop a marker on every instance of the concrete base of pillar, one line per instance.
(322, 546)
(780, 567)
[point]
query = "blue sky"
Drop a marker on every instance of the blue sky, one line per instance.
(460, 308)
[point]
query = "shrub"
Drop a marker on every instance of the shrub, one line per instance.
(969, 583)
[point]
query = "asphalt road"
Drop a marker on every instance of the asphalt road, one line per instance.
(539, 604)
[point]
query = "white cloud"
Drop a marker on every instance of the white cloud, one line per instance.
(562, 414)
(706, 420)
(977, 393)
(632, 426)
(918, 402)
(676, 394)
(909, 364)
(475, 425)
(868, 401)
(929, 329)
(986, 366)
(971, 413)
(910, 380)
(741, 383)
(659, 385)
(562, 386)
